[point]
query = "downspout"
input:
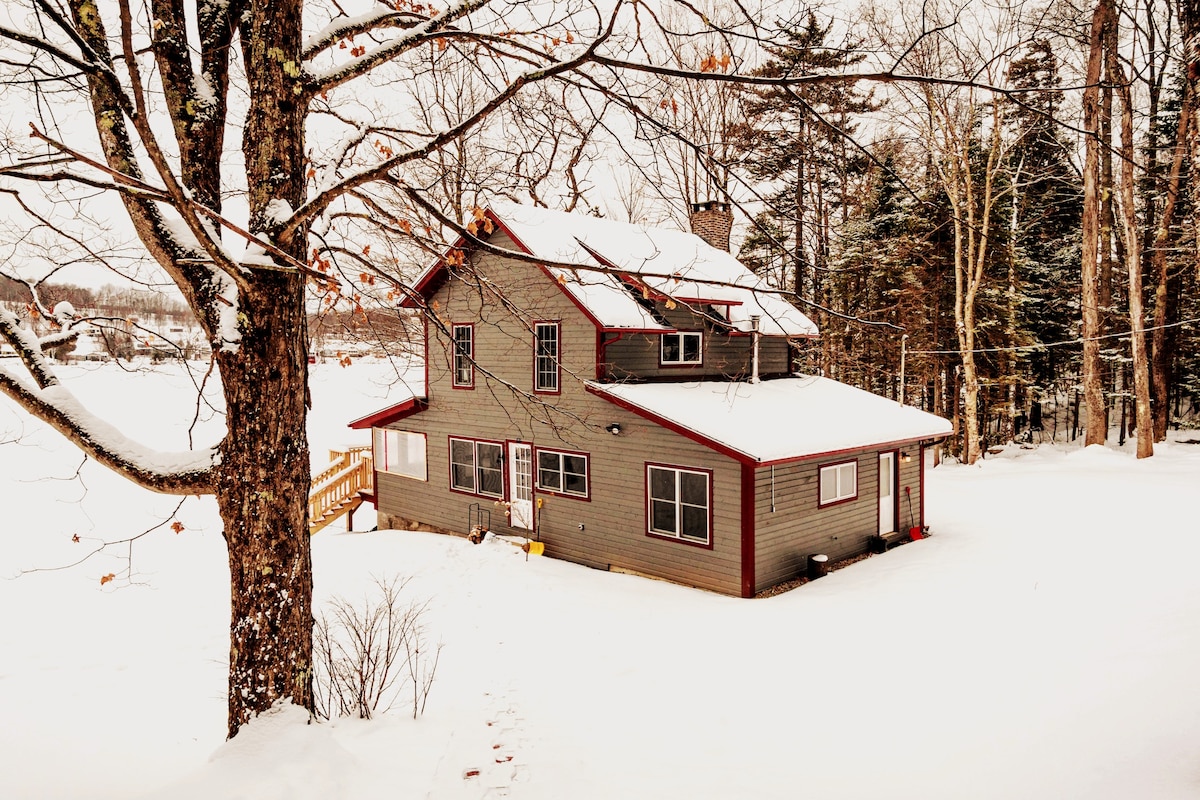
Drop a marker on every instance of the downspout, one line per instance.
(754, 320)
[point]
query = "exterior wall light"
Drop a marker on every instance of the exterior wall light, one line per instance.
(614, 428)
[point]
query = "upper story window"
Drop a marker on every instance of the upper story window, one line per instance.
(464, 356)
(682, 347)
(839, 482)
(546, 356)
(477, 467)
(679, 503)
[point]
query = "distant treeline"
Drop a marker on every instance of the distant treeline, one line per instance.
(114, 300)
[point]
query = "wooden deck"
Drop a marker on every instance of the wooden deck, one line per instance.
(341, 487)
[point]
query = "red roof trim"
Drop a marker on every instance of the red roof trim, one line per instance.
(647, 331)
(386, 416)
(878, 446)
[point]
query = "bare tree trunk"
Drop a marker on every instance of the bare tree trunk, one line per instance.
(1160, 364)
(1133, 260)
(799, 262)
(1189, 18)
(972, 198)
(265, 472)
(1097, 422)
(262, 492)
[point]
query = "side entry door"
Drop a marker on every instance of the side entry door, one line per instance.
(520, 485)
(887, 492)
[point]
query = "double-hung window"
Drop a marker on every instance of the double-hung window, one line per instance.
(679, 503)
(464, 356)
(546, 355)
(562, 473)
(681, 347)
(838, 482)
(477, 467)
(400, 453)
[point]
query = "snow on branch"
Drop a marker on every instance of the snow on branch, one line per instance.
(185, 472)
(29, 348)
(188, 472)
(323, 81)
(342, 28)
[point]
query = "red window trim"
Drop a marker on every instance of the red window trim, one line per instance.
(822, 467)
(587, 498)
(649, 516)
(454, 383)
(557, 359)
(681, 364)
(450, 466)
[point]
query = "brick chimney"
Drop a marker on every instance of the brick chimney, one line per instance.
(712, 221)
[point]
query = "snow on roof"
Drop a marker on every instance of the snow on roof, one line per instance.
(776, 420)
(679, 265)
(663, 263)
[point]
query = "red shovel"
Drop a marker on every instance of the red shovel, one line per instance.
(914, 530)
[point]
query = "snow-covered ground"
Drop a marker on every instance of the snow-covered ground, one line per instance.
(1042, 644)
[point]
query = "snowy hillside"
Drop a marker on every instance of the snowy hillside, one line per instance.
(1042, 644)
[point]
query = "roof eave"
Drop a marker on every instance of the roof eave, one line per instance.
(395, 413)
(775, 462)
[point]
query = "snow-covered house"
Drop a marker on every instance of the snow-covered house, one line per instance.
(626, 396)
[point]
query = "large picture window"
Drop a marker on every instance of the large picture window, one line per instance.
(839, 482)
(546, 356)
(464, 356)
(679, 503)
(477, 467)
(400, 453)
(681, 348)
(562, 473)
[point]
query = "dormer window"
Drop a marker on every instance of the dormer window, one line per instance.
(681, 348)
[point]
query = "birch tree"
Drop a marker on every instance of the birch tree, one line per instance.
(1090, 300)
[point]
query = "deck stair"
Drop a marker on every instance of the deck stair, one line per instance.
(341, 487)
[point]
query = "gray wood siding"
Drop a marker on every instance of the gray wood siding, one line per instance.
(797, 528)
(637, 356)
(502, 407)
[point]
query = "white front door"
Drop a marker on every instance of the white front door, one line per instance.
(887, 492)
(520, 485)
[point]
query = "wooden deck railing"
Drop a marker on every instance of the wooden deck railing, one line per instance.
(335, 489)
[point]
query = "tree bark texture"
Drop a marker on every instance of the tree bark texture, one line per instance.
(1189, 20)
(1097, 422)
(265, 473)
(262, 492)
(1133, 260)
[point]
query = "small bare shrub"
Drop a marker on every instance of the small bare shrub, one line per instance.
(366, 654)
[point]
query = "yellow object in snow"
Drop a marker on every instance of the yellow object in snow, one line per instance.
(534, 548)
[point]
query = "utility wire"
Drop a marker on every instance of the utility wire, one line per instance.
(1047, 345)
